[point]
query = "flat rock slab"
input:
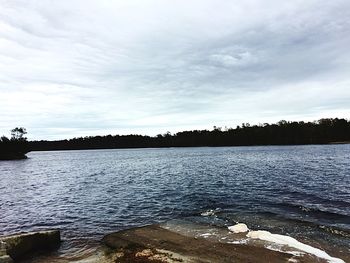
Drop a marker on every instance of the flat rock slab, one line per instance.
(6, 259)
(19, 245)
(156, 244)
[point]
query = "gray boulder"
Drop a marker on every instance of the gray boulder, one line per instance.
(17, 246)
(6, 259)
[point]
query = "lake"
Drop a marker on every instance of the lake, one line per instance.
(302, 191)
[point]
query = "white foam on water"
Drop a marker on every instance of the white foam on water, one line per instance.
(292, 242)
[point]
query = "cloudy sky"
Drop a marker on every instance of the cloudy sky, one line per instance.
(85, 67)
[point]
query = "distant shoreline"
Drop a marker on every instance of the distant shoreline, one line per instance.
(12, 156)
(345, 142)
(204, 146)
(323, 131)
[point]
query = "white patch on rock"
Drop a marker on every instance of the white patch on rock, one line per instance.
(205, 235)
(238, 228)
(292, 242)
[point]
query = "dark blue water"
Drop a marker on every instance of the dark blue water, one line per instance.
(303, 191)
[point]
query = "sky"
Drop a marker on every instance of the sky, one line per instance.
(73, 68)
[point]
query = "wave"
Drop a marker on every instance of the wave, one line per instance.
(317, 212)
(313, 197)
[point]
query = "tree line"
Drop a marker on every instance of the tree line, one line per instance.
(323, 131)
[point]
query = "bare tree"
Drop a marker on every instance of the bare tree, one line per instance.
(18, 134)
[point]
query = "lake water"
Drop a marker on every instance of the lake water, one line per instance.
(302, 191)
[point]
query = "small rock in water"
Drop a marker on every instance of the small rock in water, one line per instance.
(208, 213)
(238, 228)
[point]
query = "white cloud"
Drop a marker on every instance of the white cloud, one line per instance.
(240, 59)
(70, 68)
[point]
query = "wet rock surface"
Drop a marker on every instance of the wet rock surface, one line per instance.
(17, 246)
(156, 244)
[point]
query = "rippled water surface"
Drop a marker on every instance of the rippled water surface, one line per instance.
(297, 190)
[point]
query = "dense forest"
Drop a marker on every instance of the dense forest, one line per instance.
(323, 131)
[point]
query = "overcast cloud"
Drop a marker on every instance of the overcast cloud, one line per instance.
(76, 68)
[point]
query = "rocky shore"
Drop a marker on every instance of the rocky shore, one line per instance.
(157, 244)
